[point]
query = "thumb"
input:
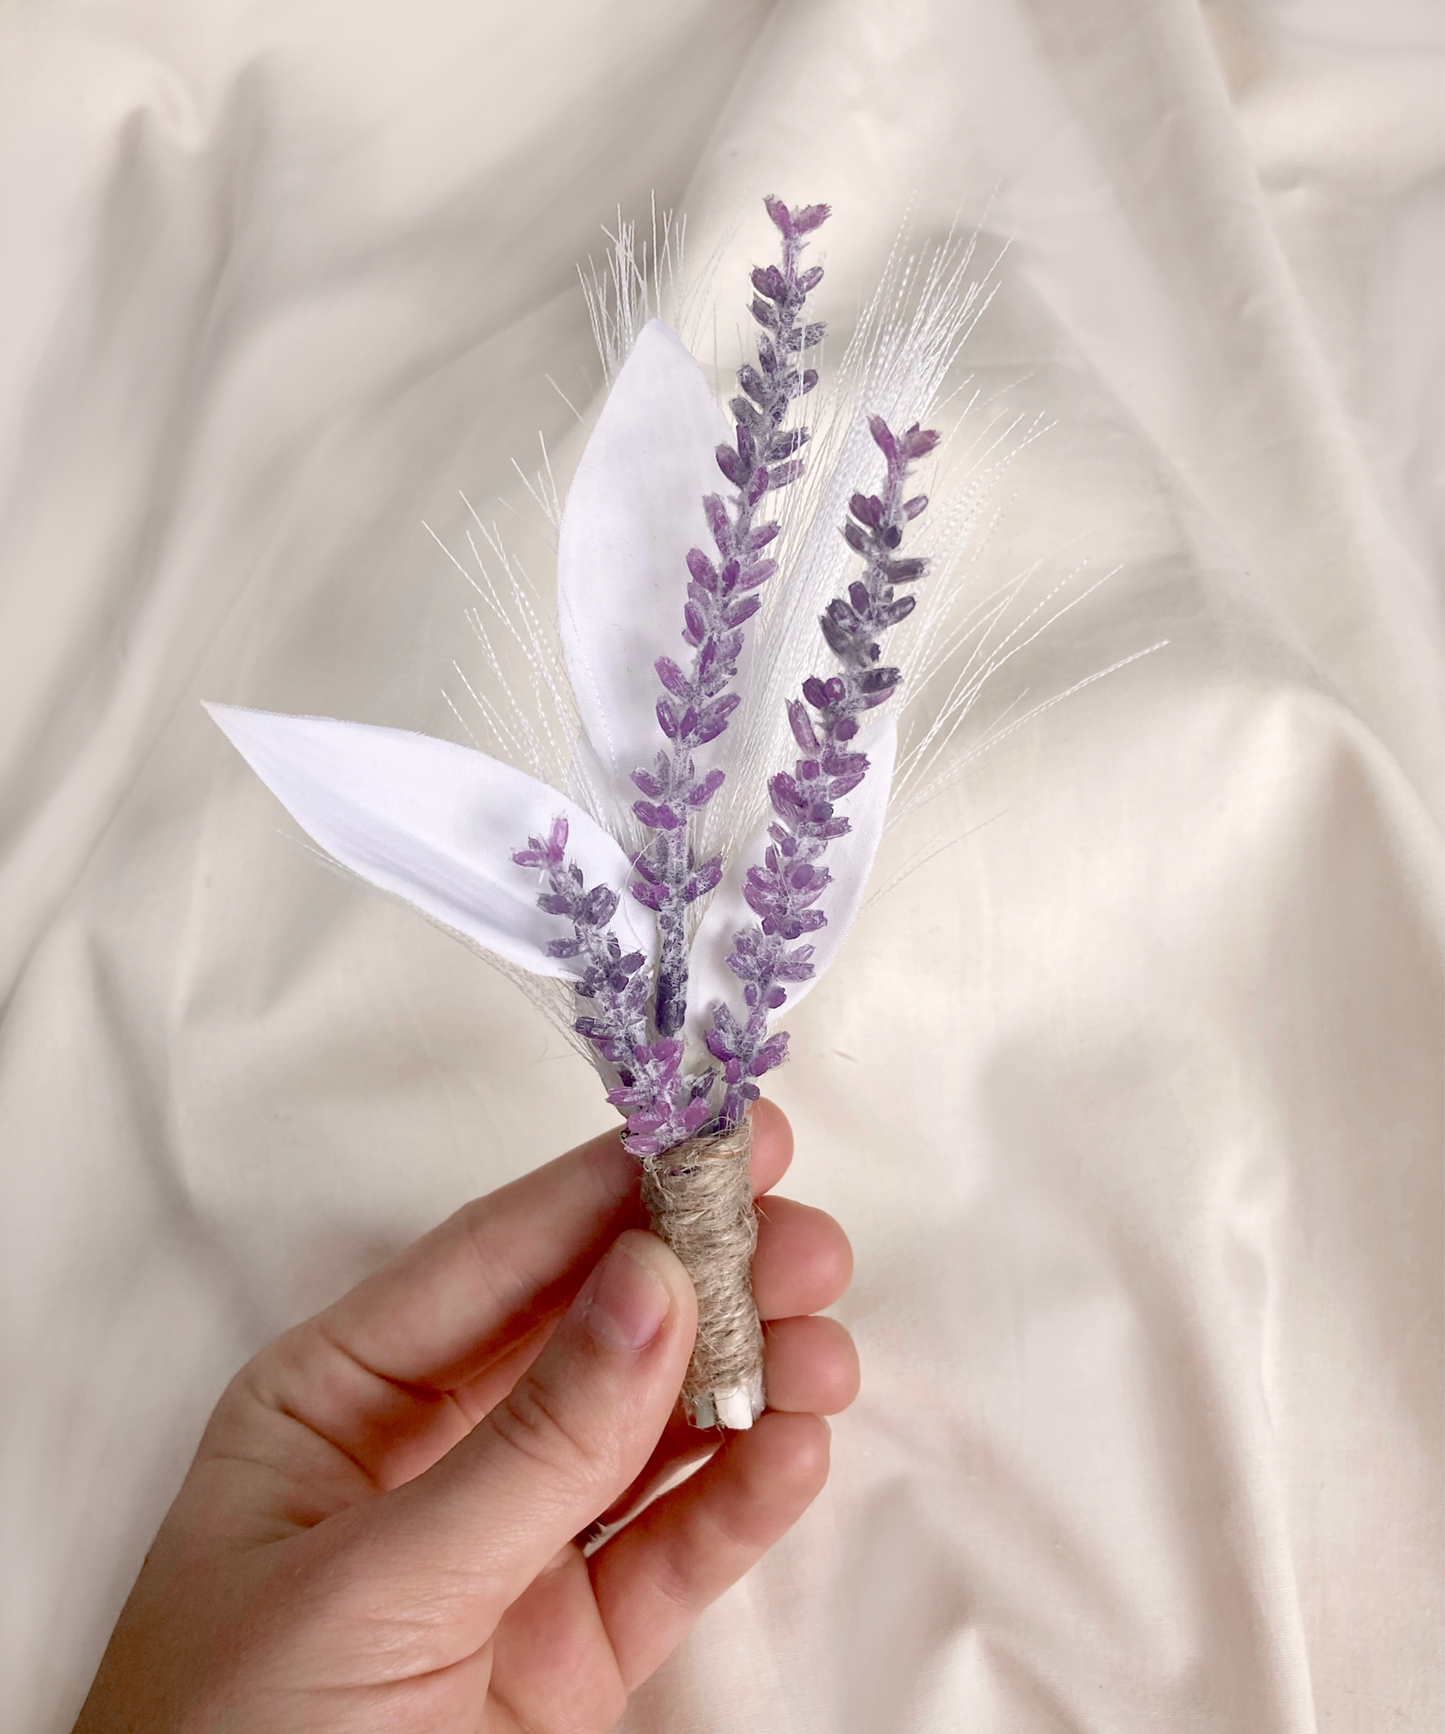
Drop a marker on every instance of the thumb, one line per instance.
(478, 1526)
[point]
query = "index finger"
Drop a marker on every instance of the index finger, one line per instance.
(454, 1301)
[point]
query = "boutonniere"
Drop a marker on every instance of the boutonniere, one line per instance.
(683, 947)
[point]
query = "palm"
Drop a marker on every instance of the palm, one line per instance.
(375, 1532)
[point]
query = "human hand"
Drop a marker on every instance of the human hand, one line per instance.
(382, 1525)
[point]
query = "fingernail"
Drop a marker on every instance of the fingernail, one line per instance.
(629, 1303)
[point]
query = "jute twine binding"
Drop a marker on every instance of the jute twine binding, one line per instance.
(701, 1204)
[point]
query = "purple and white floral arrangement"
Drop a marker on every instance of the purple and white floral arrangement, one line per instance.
(679, 958)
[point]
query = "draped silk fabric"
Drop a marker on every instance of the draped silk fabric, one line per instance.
(1128, 1092)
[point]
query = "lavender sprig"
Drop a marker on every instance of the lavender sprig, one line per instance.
(785, 888)
(722, 596)
(664, 1107)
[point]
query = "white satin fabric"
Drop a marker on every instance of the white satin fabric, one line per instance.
(1129, 1097)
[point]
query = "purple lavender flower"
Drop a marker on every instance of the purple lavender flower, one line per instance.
(722, 596)
(784, 890)
(664, 1107)
(636, 1030)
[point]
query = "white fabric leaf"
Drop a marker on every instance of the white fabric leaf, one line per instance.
(849, 859)
(633, 511)
(435, 824)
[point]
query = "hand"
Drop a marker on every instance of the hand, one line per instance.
(382, 1525)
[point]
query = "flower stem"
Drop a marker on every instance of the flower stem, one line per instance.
(722, 596)
(785, 888)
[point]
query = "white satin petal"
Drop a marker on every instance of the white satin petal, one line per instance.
(849, 859)
(633, 511)
(435, 824)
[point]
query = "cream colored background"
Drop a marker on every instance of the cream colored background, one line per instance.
(1130, 1100)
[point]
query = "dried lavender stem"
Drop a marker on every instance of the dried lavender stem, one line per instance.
(722, 597)
(785, 888)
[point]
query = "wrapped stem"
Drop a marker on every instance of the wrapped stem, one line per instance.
(700, 1201)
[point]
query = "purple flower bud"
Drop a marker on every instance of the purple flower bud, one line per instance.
(801, 724)
(772, 1053)
(598, 907)
(806, 879)
(758, 895)
(713, 719)
(672, 677)
(883, 438)
(702, 569)
(786, 797)
(693, 1116)
(785, 443)
(796, 966)
(753, 384)
(780, 214)
(701, 793)
(918, 442)
(717, 521)
(705, 879)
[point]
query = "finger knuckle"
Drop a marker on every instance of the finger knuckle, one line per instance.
(536, 1422)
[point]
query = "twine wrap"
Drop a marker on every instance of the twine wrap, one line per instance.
(701, 1203)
